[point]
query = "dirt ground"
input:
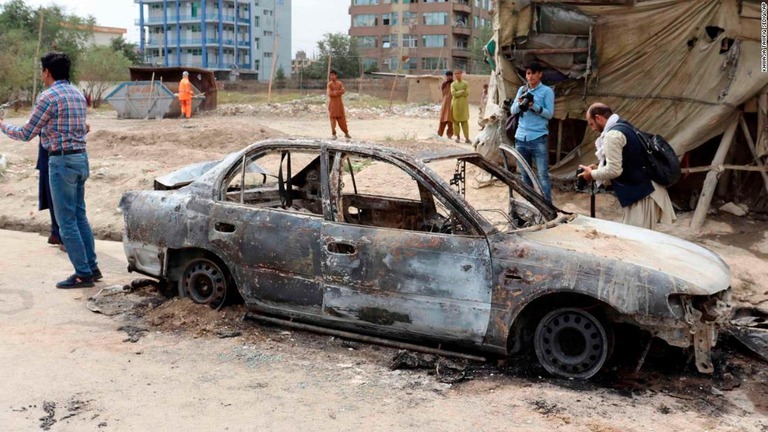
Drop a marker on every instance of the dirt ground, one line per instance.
(68, 369)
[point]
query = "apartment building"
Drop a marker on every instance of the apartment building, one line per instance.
(217, 34)
(417, 36)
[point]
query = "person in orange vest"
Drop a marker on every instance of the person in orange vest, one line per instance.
(185, 95)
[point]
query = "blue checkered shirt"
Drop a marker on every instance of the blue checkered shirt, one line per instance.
(58, 117)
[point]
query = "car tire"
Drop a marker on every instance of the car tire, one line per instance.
(572, 343)
(204, 282)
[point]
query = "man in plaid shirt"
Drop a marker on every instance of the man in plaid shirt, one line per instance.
(59, 119)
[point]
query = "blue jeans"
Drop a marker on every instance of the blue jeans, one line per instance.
(536, 152)
(67, 176)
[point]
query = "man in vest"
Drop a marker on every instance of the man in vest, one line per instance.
(620, 156)
(185, 95)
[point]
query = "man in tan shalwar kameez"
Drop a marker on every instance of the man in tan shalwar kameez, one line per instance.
(645, 203)
(446, 121)
(335, 105)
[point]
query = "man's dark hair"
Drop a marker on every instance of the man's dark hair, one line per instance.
(534, 67)
(448, 73)
(58, 64)
(333, 71)
(600, 109)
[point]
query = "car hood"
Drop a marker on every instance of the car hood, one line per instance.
(705, 272)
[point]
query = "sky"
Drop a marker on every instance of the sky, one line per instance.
(311, 18)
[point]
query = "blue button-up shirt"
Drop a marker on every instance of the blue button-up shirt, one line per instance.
(534, 123)
(58, 117)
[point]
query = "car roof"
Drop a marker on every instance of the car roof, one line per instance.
(367, 148)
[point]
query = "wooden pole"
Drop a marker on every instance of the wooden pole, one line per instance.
(559, 140)
(328, 72)
(762, 117)
(360, 83)
(151, 93)
(274, 57)
(37, 55)
(710, 182)
(751, 145)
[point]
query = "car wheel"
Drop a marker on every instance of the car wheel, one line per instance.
(571, 343)
(204, 282)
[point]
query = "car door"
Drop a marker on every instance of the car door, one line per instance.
(381, 270)
(270, 230)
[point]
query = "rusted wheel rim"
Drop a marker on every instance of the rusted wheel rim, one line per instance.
(205, 283)
(571, 343)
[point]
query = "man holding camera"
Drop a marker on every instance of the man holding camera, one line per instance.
(620, 156)
(535, 102)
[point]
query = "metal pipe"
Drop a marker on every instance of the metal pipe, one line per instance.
(362, 338)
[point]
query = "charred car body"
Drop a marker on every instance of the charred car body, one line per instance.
(314, 232)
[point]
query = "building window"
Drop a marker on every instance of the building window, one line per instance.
(435, 18)
(370, 64)
(392, 40)
(267, 55)
(256, 43)
(268, 33)
(365, 20)
(367, 41)
(434, 63)
(410, 18)
(409, 41)
(256, 64)
(433, 41)
(256, 21)
(364, 2)
(389, 19)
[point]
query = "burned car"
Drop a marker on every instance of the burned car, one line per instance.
(376, 241)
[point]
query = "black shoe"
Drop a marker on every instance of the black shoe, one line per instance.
(97, 276)
(54, 240)
(76, 281)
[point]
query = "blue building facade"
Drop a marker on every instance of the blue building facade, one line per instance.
(216, 34)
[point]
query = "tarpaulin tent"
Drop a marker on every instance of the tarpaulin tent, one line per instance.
(682, 69)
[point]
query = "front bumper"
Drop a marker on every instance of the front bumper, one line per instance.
(694, 322)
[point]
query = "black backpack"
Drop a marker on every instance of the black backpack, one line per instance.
(661, 163)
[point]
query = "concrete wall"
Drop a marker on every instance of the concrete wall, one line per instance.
(426, 89)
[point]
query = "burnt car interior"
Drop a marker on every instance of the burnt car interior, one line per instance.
(365, 197)
(362, 193)
(280, 187)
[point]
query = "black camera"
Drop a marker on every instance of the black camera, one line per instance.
(581, 182)
(527, 98)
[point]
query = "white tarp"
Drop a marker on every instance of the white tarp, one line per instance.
(655, 65)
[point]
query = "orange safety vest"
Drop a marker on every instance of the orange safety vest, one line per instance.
(185, 90)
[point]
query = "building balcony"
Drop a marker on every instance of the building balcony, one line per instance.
(462, 7)
(209, 18)
(460, 52)
(243, 2)
(462, 30)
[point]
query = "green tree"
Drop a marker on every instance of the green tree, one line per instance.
(16, 67)
(478, 65)
(129, 50)
(19, 29)
(100, 68)
(345, 58)
(280, 79)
